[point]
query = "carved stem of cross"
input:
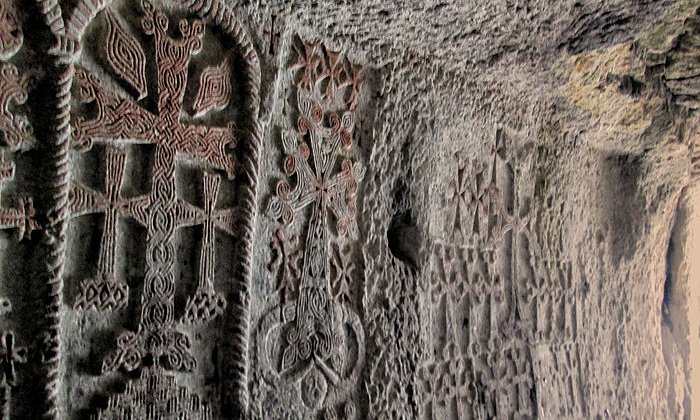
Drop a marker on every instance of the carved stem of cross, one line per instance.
(116, 160)
(316, 261)
(211, 219)
(158, 299)
(206, 257)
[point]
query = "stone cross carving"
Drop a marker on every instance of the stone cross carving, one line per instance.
(15, 129)
(322, 347)
(121, 120)
(104, 292)
(205, 305)
(15, 136)
(10, 355)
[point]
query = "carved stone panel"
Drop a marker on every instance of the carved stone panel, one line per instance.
(310, 344)
(478, 363)
(220, 209)
(160, 96)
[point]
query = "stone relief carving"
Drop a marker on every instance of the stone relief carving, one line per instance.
(118, 108)
(142, 219)
(16, 131)
(321, 352)
(16, 137)
(478, 365)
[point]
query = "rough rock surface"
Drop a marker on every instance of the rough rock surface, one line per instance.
(334, 209)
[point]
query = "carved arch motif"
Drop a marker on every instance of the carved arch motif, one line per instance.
(114, 103)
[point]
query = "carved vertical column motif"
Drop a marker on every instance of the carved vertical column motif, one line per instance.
(310, 345)
(478, 364)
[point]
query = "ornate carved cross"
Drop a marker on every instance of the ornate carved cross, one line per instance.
(119, 119)
(15, 134)
(206, 304)
(105, 292)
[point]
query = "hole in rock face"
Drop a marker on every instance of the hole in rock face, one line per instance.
(403, 235)
(629, 85)
(404, 238)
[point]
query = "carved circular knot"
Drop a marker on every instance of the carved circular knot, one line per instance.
(126, 339)
(182, 341)
(290, 165)
(334, 122)
(346, 139)
(305, 348)
(292, 335)
(314, 388)
(132, 359)
(342, 227)
(346, 167)
(303, 125)
(304, 151)
(161, 21)
(283, 190)
(287, 214)
(348, 121)
(316, 113)
(174, 359)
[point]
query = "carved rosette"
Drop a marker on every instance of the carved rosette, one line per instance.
(316, 348)
(114, 104)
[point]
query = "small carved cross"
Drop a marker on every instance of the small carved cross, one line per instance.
(273, 33)
(84, 200)
(210, 218)
(9, 355)
(206, 304)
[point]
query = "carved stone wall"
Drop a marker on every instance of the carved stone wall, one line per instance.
(409, 210)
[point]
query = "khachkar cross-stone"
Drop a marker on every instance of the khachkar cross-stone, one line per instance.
(321, 339)
(119, 120)
(15, 135)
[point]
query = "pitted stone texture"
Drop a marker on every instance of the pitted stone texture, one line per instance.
(286, 209)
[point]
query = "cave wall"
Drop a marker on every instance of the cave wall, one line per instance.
(277, 209)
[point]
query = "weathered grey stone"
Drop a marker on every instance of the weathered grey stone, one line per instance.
(278, 209)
